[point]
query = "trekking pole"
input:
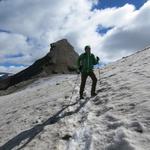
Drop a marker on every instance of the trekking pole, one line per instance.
(99, 71)
(74, 88)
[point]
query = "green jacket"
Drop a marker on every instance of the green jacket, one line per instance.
(86, 61)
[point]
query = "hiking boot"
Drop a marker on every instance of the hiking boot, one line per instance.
(93, 94)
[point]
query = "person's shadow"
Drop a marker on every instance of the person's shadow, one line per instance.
(30, 134)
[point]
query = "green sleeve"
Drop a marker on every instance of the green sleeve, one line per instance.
(78, 61)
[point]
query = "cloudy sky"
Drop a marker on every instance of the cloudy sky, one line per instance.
(113, 28)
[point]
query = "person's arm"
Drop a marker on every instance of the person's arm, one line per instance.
(78, 62)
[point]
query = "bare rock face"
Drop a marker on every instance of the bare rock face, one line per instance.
(61, 59)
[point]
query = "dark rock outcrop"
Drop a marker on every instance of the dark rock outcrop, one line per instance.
(4, 75)
(61, 59)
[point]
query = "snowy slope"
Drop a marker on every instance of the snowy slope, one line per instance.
(44, 117)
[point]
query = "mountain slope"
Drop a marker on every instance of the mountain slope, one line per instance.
(44, 116)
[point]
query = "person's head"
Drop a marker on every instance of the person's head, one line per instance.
(87, 49)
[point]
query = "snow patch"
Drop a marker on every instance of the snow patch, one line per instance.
(122, 140)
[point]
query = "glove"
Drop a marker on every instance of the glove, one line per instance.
(80, 68)
(97, 58)
(78, 71)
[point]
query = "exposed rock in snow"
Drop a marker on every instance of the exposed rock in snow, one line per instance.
(45, 115)
(4, 75)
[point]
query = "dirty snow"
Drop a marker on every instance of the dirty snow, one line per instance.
(44, 115)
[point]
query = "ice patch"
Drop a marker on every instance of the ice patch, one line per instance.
(82, 139)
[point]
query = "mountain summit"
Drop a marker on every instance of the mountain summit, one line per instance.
(61, 59)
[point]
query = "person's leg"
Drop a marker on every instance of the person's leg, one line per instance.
(83, 81)
(94, 81)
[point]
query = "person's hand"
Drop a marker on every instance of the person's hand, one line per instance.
(80, 68)
(78, 71)
(97, 58)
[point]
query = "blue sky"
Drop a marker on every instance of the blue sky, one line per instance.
(102, 30)
(28, 27)
(102, 4)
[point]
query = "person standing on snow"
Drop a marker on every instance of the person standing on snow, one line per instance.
(85, 64)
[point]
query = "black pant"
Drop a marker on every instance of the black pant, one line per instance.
(83, 81)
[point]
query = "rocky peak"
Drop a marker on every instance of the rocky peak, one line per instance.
(61, 59)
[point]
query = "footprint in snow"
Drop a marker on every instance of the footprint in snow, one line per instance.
(113, 122)
(104, 89)
(100, 100)
(103, 110)
(137, 126)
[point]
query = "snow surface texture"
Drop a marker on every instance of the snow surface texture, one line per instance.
(42, 116)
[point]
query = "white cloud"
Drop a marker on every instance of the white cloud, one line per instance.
(130, 36)
(34, 24)
(11, 69)
(11, 43)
